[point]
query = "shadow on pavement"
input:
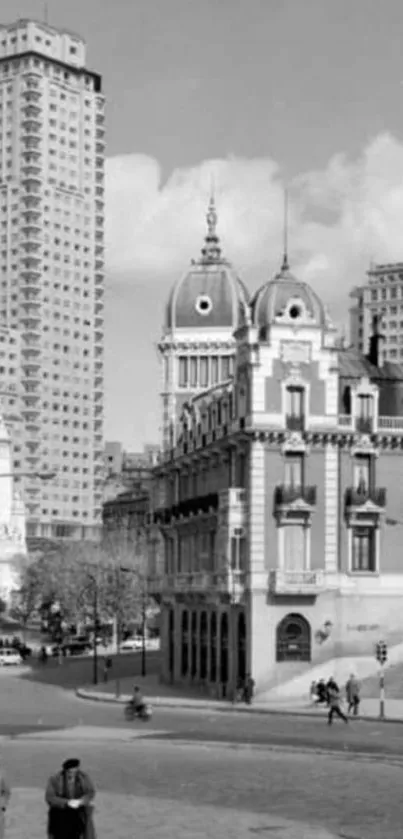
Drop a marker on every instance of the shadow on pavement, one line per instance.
(77, 672)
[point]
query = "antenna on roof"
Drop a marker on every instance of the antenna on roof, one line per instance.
(285, 266)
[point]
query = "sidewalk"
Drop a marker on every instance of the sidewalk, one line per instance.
(165, 696)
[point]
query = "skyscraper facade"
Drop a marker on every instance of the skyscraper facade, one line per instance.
(52, 149)
(381, 297)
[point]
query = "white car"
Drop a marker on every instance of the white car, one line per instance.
(131, 644)
(8, 656)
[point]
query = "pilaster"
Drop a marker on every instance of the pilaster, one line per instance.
(331, 506)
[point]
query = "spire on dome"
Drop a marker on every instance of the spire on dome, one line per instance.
(211, 252)
(285, 265)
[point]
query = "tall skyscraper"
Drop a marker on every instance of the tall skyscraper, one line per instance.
(52, 149)
(381, 297)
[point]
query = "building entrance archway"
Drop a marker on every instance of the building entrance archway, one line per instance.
(224, 649)
(241, 647)
(185, 643)
(171, 644)
(213, 647)
(203, 645)
(293, 639)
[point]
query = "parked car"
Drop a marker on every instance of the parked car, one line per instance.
(77, 646)
(9, 656)
(131, 644)
(24, 651)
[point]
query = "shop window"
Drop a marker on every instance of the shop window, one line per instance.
(363, 554)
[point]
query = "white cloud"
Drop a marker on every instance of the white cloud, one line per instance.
(341, 217)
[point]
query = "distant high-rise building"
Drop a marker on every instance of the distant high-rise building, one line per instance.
(380, 298)
(52, 148)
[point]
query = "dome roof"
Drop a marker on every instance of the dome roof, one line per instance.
(210, 295)
(287, 300)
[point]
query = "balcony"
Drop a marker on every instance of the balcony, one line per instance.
(295, 422)
(370, 498)
(305, 583)
(286, 496)
(230, 582)
(203, 504)
(364, 425)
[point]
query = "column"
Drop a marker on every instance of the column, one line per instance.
(262, 648)
(331, 507)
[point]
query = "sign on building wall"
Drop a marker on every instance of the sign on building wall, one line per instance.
(295, 352)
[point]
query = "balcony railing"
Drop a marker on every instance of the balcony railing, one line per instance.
(295, 422)
(296, 582)
(358, 497)
(285, 495)
(190, 507)
(364, 425)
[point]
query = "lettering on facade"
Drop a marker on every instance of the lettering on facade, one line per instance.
(363, 627)
(295, 352)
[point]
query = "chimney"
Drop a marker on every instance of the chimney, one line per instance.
(374, 355)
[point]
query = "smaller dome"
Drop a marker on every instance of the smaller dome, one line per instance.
(287, 300)
(210, 295)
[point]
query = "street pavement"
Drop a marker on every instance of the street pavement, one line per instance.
(154, 791)
(165, 696)
(33, 707)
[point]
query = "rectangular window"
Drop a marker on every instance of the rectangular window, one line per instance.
(204, 371)
(193, 372)
(362, 473)
(363, 550)
(294, 548)
(225, 368)
(365, 406)
(294, 469)
(295, 402)
(183, 371)
(214, 370)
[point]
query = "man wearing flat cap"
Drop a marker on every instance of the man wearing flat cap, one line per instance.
(69, 795)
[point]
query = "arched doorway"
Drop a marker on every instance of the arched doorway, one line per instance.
(171, 644)
(241, 647)
(293, 639)
(213, 647)
(185, 643)
(203, 645)
(224, 649)
(193, 641)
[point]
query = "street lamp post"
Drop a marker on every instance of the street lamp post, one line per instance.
(95, 621)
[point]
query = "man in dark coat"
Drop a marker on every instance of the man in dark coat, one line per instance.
(69, 795)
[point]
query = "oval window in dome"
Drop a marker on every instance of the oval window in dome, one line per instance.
(295, 311)
(203, 304)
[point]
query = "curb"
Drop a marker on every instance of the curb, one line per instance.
(162, 702)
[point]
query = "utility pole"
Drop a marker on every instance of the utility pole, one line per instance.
(95, 616)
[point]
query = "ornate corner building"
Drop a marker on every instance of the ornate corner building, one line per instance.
(277, 497)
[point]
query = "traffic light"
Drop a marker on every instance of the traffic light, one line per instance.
(381, 652)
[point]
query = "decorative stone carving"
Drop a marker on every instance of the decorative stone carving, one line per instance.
(294, 443)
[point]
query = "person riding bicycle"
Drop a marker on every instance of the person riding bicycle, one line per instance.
(137, 701)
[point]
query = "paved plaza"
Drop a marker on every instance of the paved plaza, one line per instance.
(148, 790)
(201, 773)
(123, 816)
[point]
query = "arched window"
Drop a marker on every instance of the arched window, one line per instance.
(185, 643)
(293, 639)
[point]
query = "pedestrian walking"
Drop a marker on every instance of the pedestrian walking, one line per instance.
(334, 700)
(249, 689)
(5, 794)
(321, 693)
(353, 695)
(69, 795)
